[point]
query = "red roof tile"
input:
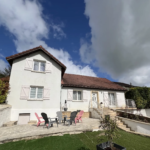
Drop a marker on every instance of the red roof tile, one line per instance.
(39, 48)
(71, 80)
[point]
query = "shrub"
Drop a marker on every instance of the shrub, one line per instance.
(141, 95)
(4, 87)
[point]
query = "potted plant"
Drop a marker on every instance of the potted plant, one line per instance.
(111, 131)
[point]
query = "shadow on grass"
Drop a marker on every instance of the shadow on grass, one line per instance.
(83, 148)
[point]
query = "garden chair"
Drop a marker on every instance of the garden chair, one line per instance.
(79, 116)
(71, 118)
(48, 121)
(38, 118)
(60, 116)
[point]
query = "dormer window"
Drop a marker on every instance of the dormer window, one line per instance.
(39, 66)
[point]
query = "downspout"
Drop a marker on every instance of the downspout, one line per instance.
(60, 96)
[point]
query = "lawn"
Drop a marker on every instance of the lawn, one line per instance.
(84, 141)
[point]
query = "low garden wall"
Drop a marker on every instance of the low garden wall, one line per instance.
(143, 112)
(5, 111)
(137, 123)
(85, 114)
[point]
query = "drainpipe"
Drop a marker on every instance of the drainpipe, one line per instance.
(60, 96)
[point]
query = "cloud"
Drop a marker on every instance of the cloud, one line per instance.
(120, 41)
(25, 20)
(3, 65)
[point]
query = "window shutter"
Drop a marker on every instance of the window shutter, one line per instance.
(70, 95)
(85, 97)
(106, 99)
(48, 67)
(24, 92)
(29, 64)
(46, 94)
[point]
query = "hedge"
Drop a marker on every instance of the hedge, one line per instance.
(141, 95)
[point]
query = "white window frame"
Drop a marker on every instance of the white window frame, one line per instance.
(77, 96)
(39, 67)
(114, 98)
(36, 93)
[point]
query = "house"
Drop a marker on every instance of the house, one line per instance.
(38, 83)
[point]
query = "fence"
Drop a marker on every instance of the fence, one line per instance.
(130, 103)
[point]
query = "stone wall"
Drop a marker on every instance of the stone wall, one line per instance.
(5, 111)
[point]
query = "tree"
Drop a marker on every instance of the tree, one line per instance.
(6, 72)
(110, 128)
(4, 87)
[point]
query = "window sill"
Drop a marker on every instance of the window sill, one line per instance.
(35, 99)
(38, 71)
(77, 101)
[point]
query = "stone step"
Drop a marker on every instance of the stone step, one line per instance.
(122, 125)
(10, 123)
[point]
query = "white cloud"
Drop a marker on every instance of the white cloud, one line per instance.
(3, 65)
(120, 41)
(25, 20)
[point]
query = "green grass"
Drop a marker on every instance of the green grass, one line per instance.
(84, 141)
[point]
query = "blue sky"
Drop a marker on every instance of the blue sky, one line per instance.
(108, 39)
(70, 16)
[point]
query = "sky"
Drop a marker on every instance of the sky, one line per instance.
(101, 38)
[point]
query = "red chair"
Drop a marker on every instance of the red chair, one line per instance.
(79, 116)
(38, 118)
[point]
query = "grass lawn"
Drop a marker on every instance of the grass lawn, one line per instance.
(84, 141)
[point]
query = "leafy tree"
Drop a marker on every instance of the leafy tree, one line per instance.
(6, 72)
(4, 87)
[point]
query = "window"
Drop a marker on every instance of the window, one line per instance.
(36, 92)
(77, 95)
(39, 66)
(111, 98)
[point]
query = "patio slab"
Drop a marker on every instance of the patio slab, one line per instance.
(21, 132)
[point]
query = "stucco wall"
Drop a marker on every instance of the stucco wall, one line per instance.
(20, 76)
(86, 105)
(5, 111)
(138, 126)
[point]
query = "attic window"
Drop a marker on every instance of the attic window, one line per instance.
(39, 66)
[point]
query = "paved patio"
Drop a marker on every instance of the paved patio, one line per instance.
(20, 132)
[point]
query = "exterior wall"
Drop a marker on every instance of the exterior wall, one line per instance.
(137, 126)
(86, 105)
(4, 114)
(20, 76)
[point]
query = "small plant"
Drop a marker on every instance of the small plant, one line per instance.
(110, 128)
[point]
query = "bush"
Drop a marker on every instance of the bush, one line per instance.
(141, 95)
(4, 87)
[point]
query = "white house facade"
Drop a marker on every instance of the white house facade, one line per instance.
(38, 83)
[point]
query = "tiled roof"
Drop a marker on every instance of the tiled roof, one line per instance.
(39, 48)
(125, 84)
(71, 80)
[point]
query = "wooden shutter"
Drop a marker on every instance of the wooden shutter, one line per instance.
(46, 94)
(29, 64)
(106, 99)
(85, 96)
(24, 92)
(48, 67)
(70, 95)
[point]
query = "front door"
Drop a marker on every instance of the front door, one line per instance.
(94, 100)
